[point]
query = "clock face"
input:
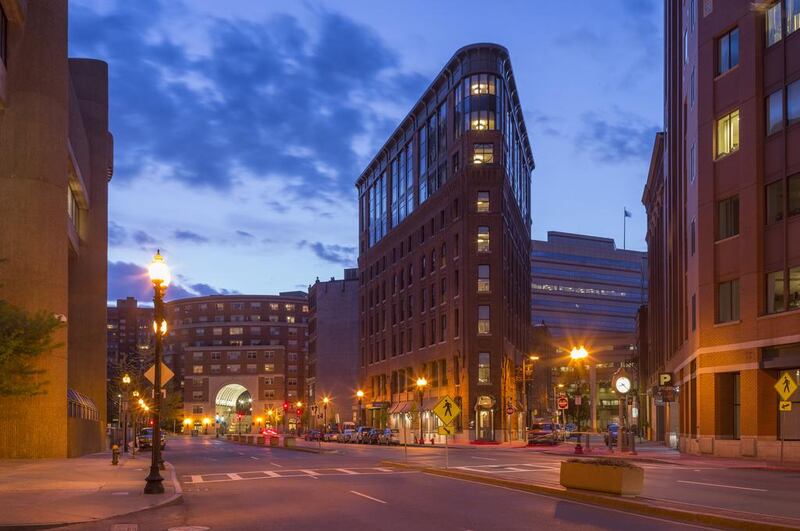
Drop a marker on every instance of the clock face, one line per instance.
(623, 384)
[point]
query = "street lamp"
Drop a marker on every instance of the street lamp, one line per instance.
(325, 401)
(160, 277)
(421, 383)
(126, 379)
(578, 354)
(525, 364)
(360, 395)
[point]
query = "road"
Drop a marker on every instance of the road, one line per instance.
(228, 486)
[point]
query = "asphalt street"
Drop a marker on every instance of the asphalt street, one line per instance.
(229, 486)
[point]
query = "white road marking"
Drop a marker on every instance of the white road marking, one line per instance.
(197, 479)
(256, 458)
(297, 473)
(723, 486)
(310, 472)
(484, 458)
(367, 497)
(234, 476)
(345, 471)
(277, 465)
(270, 473)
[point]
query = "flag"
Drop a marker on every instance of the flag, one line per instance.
(627, 213)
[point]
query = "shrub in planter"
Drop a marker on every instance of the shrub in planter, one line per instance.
(614, 476)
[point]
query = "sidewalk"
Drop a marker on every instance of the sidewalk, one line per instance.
(48, 492)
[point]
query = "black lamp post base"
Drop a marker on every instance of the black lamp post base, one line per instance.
(154, 483)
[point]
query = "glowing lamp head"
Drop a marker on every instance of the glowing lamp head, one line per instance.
(578, 353)
(187, 422)
(422, 382)
(135, 394)
(325, 400)
(360, 393)
(126, 379)
(159, 271)
(299, 404)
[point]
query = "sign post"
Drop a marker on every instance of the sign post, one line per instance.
(447, 410)
(785, 386)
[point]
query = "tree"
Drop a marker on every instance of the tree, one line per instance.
(24, 337)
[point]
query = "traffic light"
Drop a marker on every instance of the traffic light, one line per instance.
(299, 412)
(286, 406)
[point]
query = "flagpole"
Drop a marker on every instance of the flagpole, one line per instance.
(624, 228)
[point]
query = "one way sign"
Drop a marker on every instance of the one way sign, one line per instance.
(446, 430)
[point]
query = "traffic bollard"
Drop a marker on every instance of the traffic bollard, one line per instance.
(115, 455)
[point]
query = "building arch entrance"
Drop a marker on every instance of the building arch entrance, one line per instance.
(233, 409)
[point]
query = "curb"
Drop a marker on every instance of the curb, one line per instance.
(631, 505)
(175, 499)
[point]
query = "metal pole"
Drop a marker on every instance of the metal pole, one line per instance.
(154, 480)
(405, 435)
(421, 437)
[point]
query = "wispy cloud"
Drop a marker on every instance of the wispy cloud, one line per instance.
(336, 254)
(189, 236)
(618, 138)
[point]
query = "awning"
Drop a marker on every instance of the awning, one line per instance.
(400, 407)
(80, 399)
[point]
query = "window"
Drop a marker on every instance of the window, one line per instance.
(216, 355)
(694, 312)
(794, 195)
(692, 163)
(482, 205)
(237, 306)
(692, 90)
(728, 51)
(197, 356)
(233, 355)
(686, 47)
(233, 368)
(236, 331)
(484, 321)
(269, 394)
(728, 134)
(484, 368)
(197, 410)
(794, 288)
(291, 382)
(269, 367)
(775, 290)
(728, 301)
(693, 236)
(274, 306)
(775, 112)
(3, 36)
(215, 369)
(290, 319)
(728, 218)
(774, 24)
(483, 239)
(251, 355)
(483, 153)
(483, 279)
(216, 331)
(792, 16)
(793, 101)
(774, 206)
(219, 306)
(197, 369)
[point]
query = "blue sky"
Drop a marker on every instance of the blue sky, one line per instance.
(239, 132)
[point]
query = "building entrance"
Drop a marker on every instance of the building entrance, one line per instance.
(234, 409)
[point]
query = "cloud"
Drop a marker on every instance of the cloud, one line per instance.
(117, 235)
(336, 254)
(622, 138)
(189, 236)
(126, 279)
(244, 234)
(142, 238)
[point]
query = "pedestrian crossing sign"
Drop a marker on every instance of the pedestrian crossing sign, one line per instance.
(446, 430)
(786, 386)
(447, 410)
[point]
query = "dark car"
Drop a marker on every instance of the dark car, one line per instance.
(543, 433)
(313, 435)
(612, 431)
(374, 436)
(145, 438)
(360, 435)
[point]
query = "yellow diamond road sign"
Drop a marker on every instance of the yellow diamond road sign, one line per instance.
(446, 430)
(786, 386)
(166, 374)
(447, 410)
(785, 406)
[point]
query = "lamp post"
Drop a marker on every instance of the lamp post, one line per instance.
(578, 355)
(299, 411)
(421, 383)
(325, 401)
(360, 395)
(532, 358)
(126, 379)
(160, 277)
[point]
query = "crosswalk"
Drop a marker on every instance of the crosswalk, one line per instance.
(541, 466)
(285, 474)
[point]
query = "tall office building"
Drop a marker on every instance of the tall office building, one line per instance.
(587, 292)
(723, 202)
(333, 347)
(444, 240)
(56, 158)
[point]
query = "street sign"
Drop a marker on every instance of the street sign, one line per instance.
(665, 378)
(563, 403)
(446, 430)
(786, 386)
(509, 410)
(166, 374)
(785, 405)
(447, 409)
(578, 400)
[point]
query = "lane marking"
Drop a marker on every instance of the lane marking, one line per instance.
(367, 497)
(234, 476)
(270, 473)
(256, 458)
(723, 486)
(277, 465)
(484, 458)
(309, 472)
(345, 471)
(197, 479)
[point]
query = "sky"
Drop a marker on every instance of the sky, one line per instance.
(241, 126)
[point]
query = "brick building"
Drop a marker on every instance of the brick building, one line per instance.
(333, 346)
(239, 359)
(56, 159)
(444, 241)
(723, 202)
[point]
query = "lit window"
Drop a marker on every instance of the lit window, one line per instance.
(482, 121)
(728, 51)
(775, 112)
(483, 154)
(236, 331)
(728, 134)
(483, 279)
(728, 301)
(483, 239)
(481, 84)
(793, 101)
(233, 355)
(220, 306)
(483, 202)
(290, 319)
(274, 306)
(775, 290)
(197, 369)
(233, 368)
(290, 307)
(792, 16)
(484, 368)
(269, 367)
(728, 218)
(216, 331)
(774, 199)
(197, 395)
(484, 321)
(774, 24)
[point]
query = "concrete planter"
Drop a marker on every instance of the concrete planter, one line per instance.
(260, 441)
(289, 442)
(229, 437)
(250, 439)
(274, 441)
(602, 476)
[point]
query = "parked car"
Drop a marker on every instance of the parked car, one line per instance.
(145, 438)
(389, 437)
(612, 431)
(373, 436)
(346, 436)
(361, 435)
(569, 431)
(313, 435)
(331, 436)
(544, 433)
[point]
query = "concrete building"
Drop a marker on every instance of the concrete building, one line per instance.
(240, 360)
(587, 292)
(723, 202)
(444, 241)
(56, 158)
(333, 347)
